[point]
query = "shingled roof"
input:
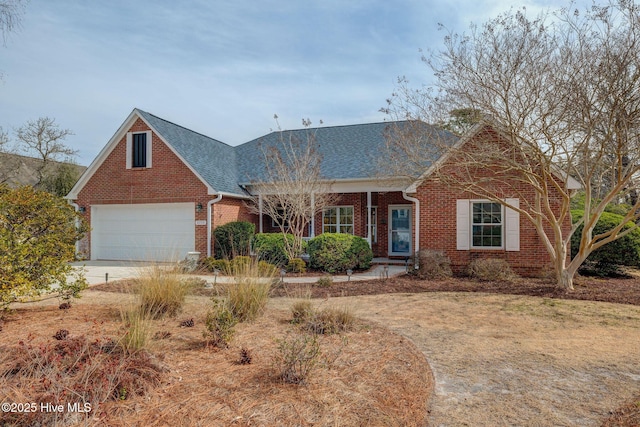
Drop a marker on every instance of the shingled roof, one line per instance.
(213, 160)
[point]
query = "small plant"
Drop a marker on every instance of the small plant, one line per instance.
(162, 291)
(296, 265)
(329, 321)
(61, 334)
(490, 269)
(137, 323)
(211, 264)
(64, 306)
(301, 311)
(296, 357)
(240, 263)
(432, 265)
(187, 323)
(266, 269)
(248, 296)
(325, 281)
(245, 356)
(220, 323)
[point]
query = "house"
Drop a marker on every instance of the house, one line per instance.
(157, 190)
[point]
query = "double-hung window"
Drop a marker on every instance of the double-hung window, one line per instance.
(338, 219)
(486, 225)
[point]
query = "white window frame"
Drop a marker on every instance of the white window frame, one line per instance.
(129, 154)
(472, 224)
(338, 225)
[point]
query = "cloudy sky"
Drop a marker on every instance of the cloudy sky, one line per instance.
(222, 68)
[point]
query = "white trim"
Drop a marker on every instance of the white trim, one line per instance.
(149, 148)
(471, 224)
(416, 202)
(390, 230)
(129, 150)
(339, 186)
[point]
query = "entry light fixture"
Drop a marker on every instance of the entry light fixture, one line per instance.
(199, 207)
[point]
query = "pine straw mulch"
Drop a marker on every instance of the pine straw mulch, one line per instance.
(367, 376)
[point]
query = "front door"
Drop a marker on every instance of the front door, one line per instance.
(400, 230)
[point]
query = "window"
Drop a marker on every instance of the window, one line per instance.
(486, 225)
(139, 147)
(338, 220)
(280, 219)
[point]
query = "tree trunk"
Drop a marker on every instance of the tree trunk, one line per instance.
(565, 278)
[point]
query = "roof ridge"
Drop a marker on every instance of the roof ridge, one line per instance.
(338, 126)
(185, 128)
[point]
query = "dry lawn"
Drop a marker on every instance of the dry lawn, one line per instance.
(368, 376)
(504, 360)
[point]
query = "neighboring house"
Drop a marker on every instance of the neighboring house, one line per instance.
(157, 190)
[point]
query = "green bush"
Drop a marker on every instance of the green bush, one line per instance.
(233, 239)
(296, 265)
(220, 323)
(339, 252)
(607, 259)
(325, 281)
(271, 247)
(211, 264)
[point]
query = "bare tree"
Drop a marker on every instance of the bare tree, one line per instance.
(292, 190)
(43, 139)
(9, 164)
(562, 92)
(11, 12)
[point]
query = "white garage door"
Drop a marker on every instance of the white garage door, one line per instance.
(142, 232)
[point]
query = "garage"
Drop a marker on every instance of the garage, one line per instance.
(142, 232)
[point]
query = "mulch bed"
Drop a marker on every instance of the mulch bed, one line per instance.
(615, 290)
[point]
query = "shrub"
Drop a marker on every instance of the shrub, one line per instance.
(329, 321)
(301, 311)
(271, 247)
(432, 265)
(605, 260)
(220, 323)
(38, 234)
(490, 269)
(162, 291)
(211, 264)
(296, 357)
(296, 265)
(338, 252)
(233, 239)
(325, 281)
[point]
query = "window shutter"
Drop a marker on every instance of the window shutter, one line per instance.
(129, 154)
(512, 226)
(463, 222)
(149, 150)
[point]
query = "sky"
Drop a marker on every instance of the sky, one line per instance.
(221, 68)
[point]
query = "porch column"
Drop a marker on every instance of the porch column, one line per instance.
(369, 218)
(312, 231)
(260, 212)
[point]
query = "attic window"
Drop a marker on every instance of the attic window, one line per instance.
(139, 150)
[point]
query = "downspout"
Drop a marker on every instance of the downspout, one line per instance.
(209, 211)
(416, 248)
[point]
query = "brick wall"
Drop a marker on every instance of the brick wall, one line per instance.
(169, 180)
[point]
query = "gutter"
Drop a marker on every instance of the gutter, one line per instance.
(416, 248)
(209, 211)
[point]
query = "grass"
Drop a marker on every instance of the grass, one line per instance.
(248, 296)
(162, 291)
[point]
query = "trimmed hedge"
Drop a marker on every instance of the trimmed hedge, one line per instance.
(605, 260)
(338, 252)
(270, 247)
(233, 239)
